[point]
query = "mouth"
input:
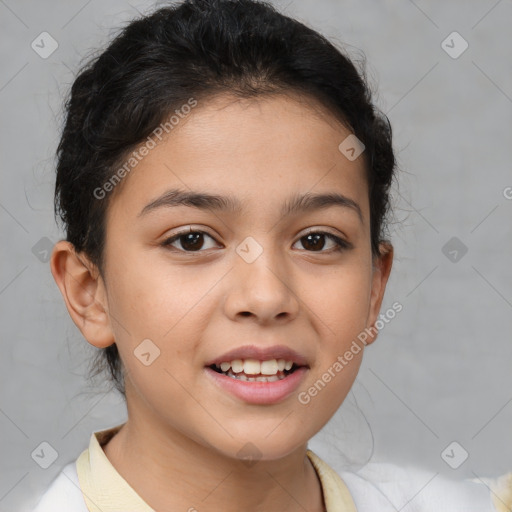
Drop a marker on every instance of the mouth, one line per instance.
(259, 375)
(253, 370)
(257, 388)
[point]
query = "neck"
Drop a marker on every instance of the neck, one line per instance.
(163, 466)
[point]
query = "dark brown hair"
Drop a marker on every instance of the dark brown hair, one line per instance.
(200, 48)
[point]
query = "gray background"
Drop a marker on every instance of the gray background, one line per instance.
(439, 372)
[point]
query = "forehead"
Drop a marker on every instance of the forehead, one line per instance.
(269, 148)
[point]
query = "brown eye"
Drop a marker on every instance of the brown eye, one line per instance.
(316, 241)
(190, 241)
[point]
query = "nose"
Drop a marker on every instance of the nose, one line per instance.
(262, 290)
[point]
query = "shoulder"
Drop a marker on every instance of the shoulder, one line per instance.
(392, 487)
(63, 494)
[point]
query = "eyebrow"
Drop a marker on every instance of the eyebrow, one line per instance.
(204, 201)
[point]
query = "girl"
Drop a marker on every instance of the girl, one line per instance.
(223, 177)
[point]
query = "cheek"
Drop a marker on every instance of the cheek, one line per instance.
(341, 307)
(165, 304)
(341, 301)
(151, 296)
(329, 385)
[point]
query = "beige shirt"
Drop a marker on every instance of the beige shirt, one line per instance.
(91, 483)
(105, 490)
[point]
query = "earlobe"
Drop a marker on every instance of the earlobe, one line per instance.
(382, 269)
(83, 291)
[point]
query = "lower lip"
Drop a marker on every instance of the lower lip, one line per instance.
(259, 392)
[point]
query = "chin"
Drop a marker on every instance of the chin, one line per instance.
(262, 445)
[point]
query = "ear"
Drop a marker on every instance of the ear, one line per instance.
(381, 270)
(84, 293)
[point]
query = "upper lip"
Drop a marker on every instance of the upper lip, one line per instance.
(261, 354)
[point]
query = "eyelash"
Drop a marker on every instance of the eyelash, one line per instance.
(341, 245)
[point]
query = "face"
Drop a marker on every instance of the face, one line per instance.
(186, 286)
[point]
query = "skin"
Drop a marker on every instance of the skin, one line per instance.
(181, 440)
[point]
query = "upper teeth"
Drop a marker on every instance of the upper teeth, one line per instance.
(255, 367)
